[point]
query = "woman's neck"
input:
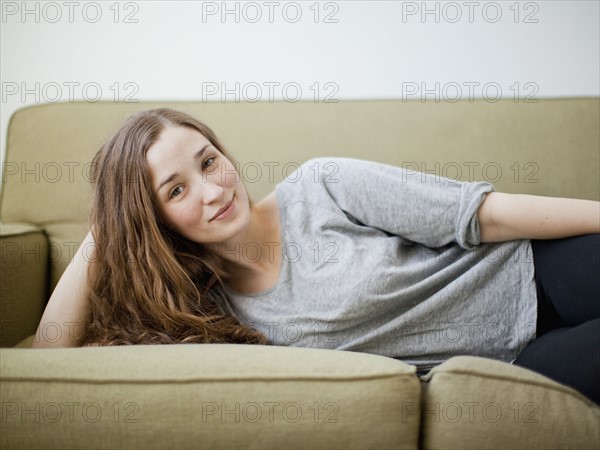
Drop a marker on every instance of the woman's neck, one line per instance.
(255, 258)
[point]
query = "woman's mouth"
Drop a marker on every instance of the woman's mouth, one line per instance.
(227, 212)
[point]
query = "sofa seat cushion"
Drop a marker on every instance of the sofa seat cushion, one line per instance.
(219, 396)
(478, 403)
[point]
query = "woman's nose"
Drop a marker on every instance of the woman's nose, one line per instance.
(210, 192)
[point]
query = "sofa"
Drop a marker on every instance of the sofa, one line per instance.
(228, 396)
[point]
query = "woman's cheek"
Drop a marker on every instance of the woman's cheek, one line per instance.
(175, 217)
(188, 214)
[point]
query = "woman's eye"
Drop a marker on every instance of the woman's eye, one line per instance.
(208, 159)
(172, 193)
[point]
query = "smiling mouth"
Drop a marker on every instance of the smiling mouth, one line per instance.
(225, 208)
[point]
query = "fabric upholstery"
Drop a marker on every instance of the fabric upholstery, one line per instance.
(217, 396)
(492, 402)
(546, 148)
(520, 147)
(23, 280)
(48, 158)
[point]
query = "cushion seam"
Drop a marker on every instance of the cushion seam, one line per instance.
(198, 380)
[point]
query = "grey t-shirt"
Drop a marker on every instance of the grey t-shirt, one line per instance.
(384, 260)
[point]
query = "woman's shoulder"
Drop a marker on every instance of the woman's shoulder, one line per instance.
(269, 203)
(311, 182)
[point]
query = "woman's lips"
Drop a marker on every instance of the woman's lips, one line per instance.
(227, 212)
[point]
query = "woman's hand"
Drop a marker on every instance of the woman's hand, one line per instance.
(505, 217)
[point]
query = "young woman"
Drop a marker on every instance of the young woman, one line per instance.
(344, 254)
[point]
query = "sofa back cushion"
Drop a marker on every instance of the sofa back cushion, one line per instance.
(549, 147)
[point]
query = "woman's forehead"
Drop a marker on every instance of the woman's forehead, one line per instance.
(173, 143)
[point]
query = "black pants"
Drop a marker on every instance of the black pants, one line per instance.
(567, 344)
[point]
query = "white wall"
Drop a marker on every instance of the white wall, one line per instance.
(355, 50)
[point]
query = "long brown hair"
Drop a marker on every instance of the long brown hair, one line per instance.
(147, 283)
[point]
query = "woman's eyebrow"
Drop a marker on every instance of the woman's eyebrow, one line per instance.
(171, 177)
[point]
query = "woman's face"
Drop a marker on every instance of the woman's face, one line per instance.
(192, 181)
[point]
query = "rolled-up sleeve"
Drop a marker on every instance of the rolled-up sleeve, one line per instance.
(467, 226)
(417, 206)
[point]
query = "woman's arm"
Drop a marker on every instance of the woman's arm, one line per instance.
(505, 217)
(68, 307)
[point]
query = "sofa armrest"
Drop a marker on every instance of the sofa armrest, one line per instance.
(24, 256)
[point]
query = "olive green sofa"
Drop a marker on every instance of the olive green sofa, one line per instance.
(268, 397)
